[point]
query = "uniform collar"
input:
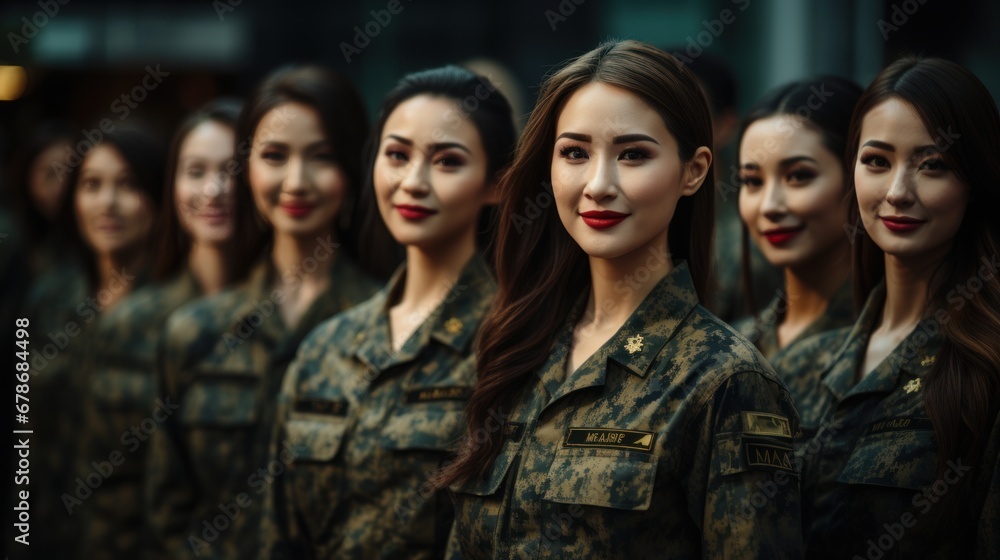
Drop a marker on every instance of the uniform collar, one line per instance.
(634, 346)
(259, 310)
(912, 358)
(655, 321)
(453, 323)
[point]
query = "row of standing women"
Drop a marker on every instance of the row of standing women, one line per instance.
(538, 378)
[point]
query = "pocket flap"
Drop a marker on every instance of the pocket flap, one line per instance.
(315, 440)
(425, 426)
(900, 459)
(602, 477)
(220, 403)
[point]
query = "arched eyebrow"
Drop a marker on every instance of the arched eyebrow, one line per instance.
(623, 139)
(431, 148)
(918, 150)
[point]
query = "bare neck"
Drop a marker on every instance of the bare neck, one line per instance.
(618, 286)
(810, 288)
(116, 277)
(207, 264)
(430, 275)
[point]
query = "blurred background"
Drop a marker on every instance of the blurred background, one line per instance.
(72, 59)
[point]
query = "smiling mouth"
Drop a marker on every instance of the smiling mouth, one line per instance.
(602, 219)
(901, 224)
(414, 211)
(780, 236)
(297, 210)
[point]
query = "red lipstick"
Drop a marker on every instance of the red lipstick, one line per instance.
(414, 211)
(297, 209)
(901, 224)
(780, 236)
(602, 219)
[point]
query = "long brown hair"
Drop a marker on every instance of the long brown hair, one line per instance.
(175, 243)
(962, 390)
(540, 269)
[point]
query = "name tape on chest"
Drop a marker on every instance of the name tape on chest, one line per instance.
(635, 440)
(321, 406)
(429, 394)
(898, 424)
(765, 424)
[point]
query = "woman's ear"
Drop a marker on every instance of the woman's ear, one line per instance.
(696, 170)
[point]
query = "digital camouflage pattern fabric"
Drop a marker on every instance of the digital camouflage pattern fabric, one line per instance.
(870, 476)
(673, 440)
(799, 363)
(369, 425)
(122, 409)
(62, 318)
(223, 360)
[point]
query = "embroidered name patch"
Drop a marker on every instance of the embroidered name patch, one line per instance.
(764, 424)
(769, 456)
(603, 437)
(437, 394)
(321, 406)
(513, 431)
(898, 424)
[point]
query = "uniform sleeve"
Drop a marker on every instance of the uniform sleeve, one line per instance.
(744, 487)
(170, 489)
(278, 532)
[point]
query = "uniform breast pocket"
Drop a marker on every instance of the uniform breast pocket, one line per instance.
(893, 458)
(316, 478)
(429, 426)
(221, 403)
(315, 440)
(591, 492)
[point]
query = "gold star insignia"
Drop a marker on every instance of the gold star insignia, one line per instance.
(928, 360)
(634, 344)
(913, 385)
(453, 325)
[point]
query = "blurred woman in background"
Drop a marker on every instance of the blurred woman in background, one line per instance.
(192, 259)
(794, 204)
(384, 384)
(906, 461)
(298, 148)
(110, 209)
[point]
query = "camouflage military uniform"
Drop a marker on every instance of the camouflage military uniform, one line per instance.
(368, 426)
(122, 408)
(799, 362)
(762, 330)
(871, 466)
(223, 360)
(60, 324)
(673, 440)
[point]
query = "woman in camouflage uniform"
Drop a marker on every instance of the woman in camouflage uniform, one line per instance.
(373, 403)
(632, 422)
(109, 214)
(298, 170)
(196, 216)
(906, 459)
(794, 206)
